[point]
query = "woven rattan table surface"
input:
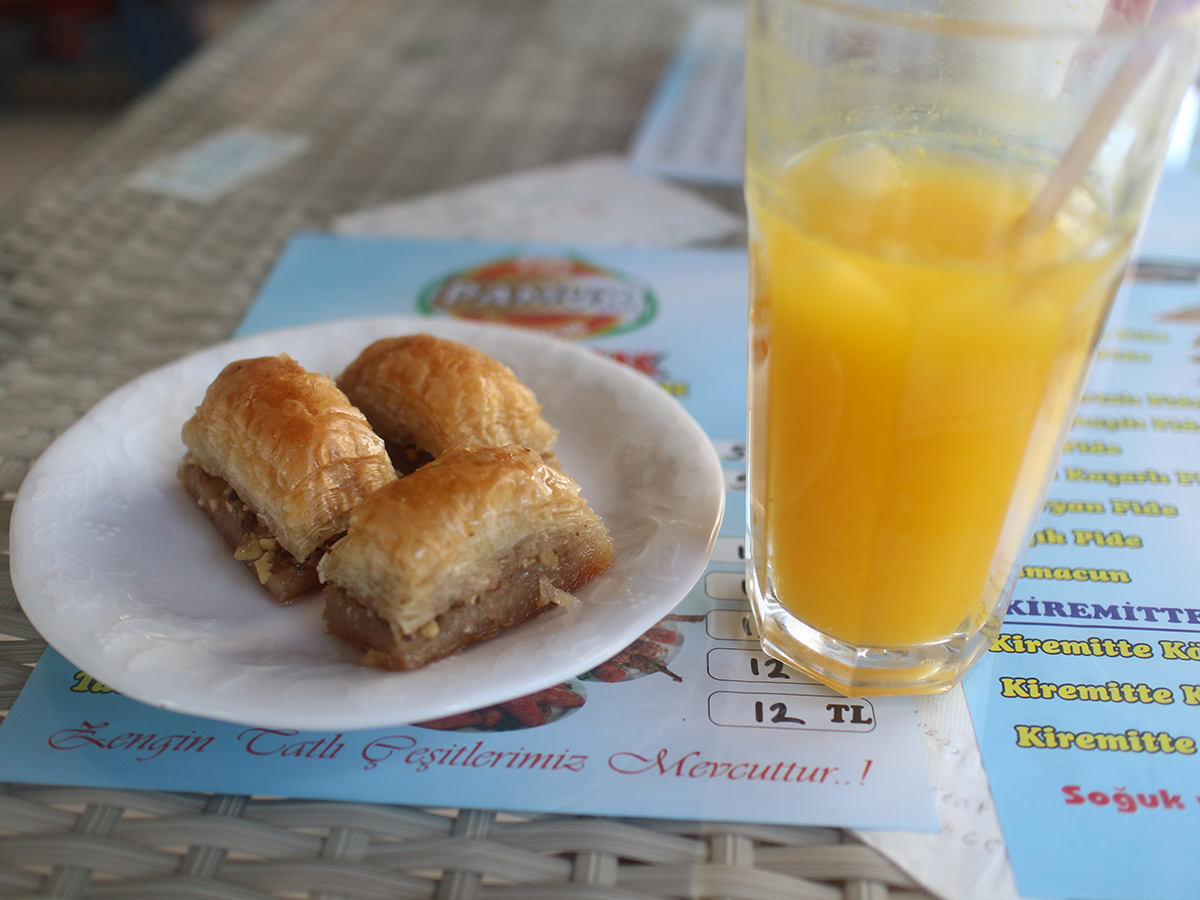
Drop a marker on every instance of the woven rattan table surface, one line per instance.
(100, 282)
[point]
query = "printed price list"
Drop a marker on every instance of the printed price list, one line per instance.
(777, 695)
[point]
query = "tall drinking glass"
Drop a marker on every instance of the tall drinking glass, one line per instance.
(942, 200)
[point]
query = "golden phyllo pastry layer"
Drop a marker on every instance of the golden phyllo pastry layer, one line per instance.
(426, 395)
(292, 448)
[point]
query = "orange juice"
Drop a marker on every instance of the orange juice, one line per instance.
(914, 361)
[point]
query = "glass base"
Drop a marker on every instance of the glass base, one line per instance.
(859, 671)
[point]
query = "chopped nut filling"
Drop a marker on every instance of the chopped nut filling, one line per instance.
(248, 549)
(262, 567)
(245, 534)
(429, 630)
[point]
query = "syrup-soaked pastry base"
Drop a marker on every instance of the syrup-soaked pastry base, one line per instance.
(459, 627)
(276, 570)
(535, 578)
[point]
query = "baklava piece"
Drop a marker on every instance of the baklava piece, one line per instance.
(479, 540)
(277, 457)
(426, 395)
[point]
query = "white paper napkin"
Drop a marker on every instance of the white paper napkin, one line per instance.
(966, 858)
(595, 200)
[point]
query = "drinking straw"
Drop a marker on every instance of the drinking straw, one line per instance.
(1069, 172)
(1070, 169)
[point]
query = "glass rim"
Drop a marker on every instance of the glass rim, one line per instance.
(1167, 17)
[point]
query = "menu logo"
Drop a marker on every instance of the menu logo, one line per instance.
(564, 295)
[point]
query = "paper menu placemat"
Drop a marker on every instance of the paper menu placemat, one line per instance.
(1088, 707)
(693, 722)
(693, 127)
(1123, 506)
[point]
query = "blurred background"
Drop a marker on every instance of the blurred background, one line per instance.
(69, 66)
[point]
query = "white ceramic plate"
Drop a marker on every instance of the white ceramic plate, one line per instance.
(120, 572)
